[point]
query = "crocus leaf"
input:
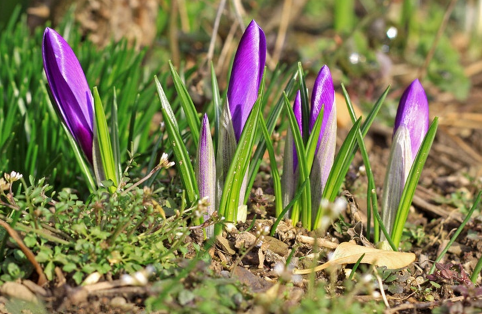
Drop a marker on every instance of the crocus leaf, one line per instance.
(84, 167)
(274, 168)
(183, 162)
(132, 124)
(305, 104)
(217, 103)
(271, 123)
(104, 163)
(313, 140)
(226, 149)
(238, 167)
(301, 153)
(206, 171)
(337, 174)
(289, 180)
(373, 113)
(114, 128)
(348, 253)
(294, 201)
(364, 129)
(412, 181)
(187, 105)
(371, 195)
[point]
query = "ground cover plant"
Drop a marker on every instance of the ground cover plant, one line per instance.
(123, 190)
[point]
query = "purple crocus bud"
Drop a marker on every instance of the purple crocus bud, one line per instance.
(411, 126)
(206, 170)
(246, 75)
(323, 96)
(69, 89)
(413, 114)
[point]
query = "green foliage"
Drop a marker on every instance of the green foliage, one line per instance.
(115, 233)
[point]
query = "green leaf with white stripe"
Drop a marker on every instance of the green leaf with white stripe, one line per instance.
(187, 105)
(102, 155)
(183, 162)
(239, 166)
(303, 168)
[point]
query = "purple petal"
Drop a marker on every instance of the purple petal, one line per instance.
(297, 112)
(69, 88)
(246, 75)
(413, 113)
(323, 95)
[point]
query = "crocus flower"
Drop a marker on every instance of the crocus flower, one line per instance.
(323, 96)
(413, 114)
(206, 170)
(246, 75)
(69, 88)
(411, 126)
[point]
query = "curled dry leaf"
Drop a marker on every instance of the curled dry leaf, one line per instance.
(348, 253)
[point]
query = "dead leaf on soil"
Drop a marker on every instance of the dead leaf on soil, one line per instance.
(348, 253)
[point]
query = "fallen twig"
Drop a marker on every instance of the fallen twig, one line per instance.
(319, 242)
(30, 256)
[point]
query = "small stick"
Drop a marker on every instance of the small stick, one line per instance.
(173, 38)
(226, 47)
(42, 280)
(285, 19)
(319, 242)
(380, 285)
(156, 168)
(219, 13)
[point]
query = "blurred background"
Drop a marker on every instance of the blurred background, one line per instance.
(367, 43)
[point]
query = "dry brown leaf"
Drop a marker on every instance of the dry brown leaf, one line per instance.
(348, 253)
